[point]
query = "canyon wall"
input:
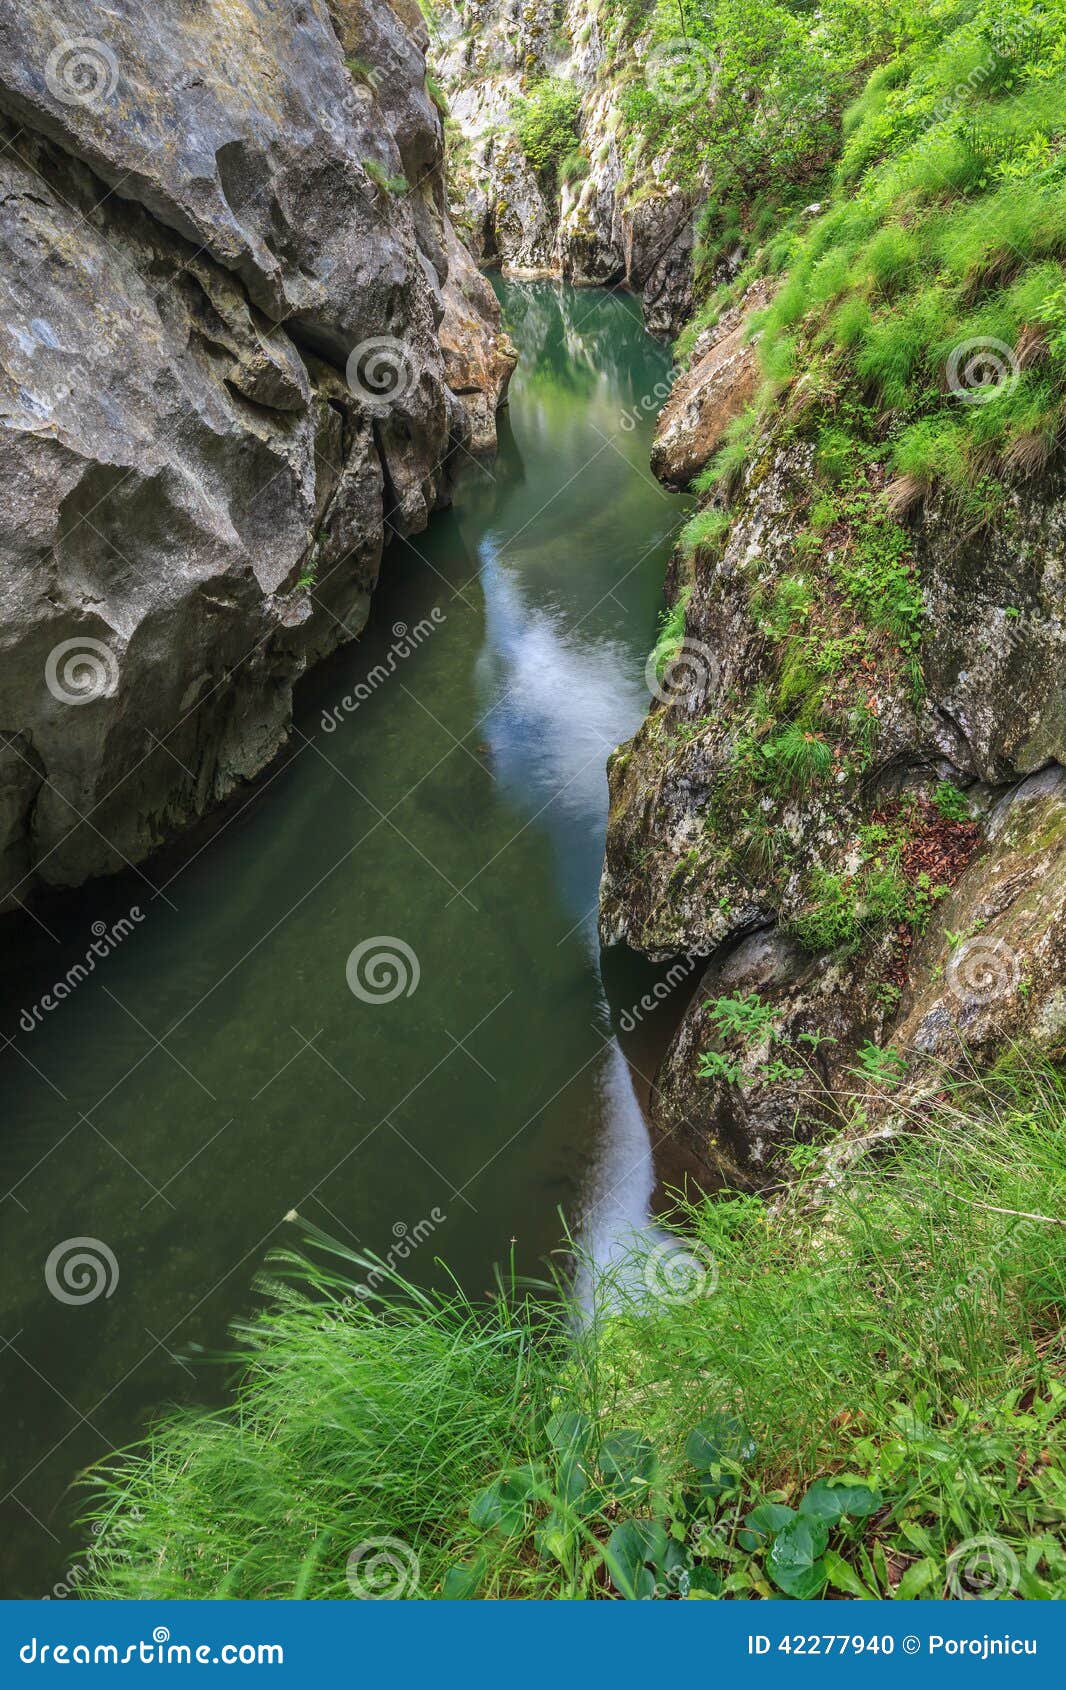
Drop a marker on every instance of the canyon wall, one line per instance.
(864, 840)
(240, 345)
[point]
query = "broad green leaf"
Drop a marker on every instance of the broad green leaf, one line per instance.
(720, 1438)
(919, 1576)
(626, 1461)
(761, 1524)
(568, 1432)
(633, 1549)
(799, 1543)
(703, 1582)
(831, 1502)
(574, 1485)
(461, 1583)
(556, 1537)
(800, 1582)
(501, 1506)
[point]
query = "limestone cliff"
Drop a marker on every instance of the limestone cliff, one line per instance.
(618, 219)
(239, 344)
(849, 795)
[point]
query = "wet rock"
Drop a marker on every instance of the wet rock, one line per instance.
(478, 366)
(701, 853)
(741, 1129)
(991, 970)
(986, 976)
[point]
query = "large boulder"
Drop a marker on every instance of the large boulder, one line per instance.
(224, 288)
(712, 392)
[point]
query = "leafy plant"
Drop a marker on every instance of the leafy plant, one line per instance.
(671, 632)
(546, 125)
(952, 804)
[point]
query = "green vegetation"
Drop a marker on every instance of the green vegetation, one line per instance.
(437, 94)
(934, 278)
(882, 892)
(381, 179)
(356, 1419)
(671, 633)
(891, 1423)
(952, 804)
(927, 277)
(574, 167)
(362, 72)
(703, 530)
(546, 123)
(750, 1025)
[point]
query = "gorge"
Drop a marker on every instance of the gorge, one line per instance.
(393, 878)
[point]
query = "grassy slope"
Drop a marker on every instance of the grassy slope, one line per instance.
(917, 342)
(899, 1329)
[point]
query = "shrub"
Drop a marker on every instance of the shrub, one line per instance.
(381, 179)
(546, 124)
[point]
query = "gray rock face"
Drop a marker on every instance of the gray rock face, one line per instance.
(719, 383)
(988, 973)
(229, 362)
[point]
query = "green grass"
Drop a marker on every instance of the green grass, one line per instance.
(546, 124)
(703, 530)
(901, 1330)
(947, 226)
(671, 633)
(355, 1420)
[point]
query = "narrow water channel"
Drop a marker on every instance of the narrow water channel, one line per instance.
(218, 1070)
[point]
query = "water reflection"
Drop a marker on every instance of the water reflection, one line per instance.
(219, 1072)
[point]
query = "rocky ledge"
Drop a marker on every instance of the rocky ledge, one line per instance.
(240, 343)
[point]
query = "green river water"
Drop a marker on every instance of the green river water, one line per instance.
(217, 1070)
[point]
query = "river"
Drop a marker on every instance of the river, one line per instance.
(247, 1047)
